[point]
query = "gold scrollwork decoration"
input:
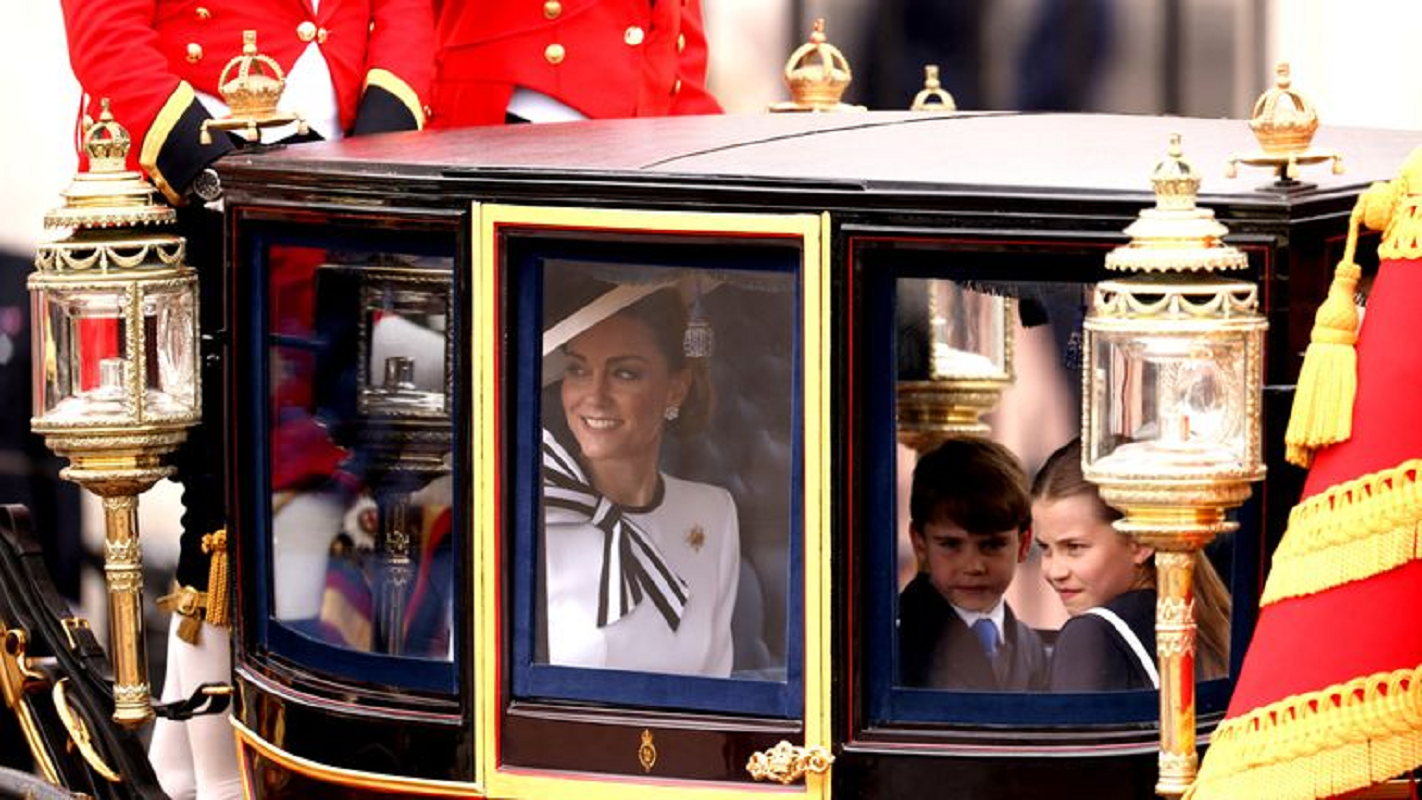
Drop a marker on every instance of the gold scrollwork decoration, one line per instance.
(647, 752)
(1112, 299)
(79, 734)
(786, 763)
(1174, 643)
(1173, 610)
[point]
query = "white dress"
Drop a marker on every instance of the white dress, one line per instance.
(696, 529)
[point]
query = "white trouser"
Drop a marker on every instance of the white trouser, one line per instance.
(196, 758)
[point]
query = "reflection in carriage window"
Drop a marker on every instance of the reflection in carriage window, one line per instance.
(361, 508)
(1010, 576)
(666, 450)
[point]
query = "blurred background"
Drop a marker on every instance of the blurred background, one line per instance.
(1208, 58)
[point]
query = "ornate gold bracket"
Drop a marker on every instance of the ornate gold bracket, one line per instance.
(16, 677)
(787, 763)
(79, 734)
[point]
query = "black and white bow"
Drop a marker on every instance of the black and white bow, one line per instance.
(632, 566)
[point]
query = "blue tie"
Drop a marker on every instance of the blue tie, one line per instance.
(986, 632)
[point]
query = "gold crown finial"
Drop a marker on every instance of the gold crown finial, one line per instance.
(817, 74)
(932, 97)
(106, 142)
(108, 194)
(255, 88)
(251, 84)
(1176, 235)
(1175, 180)
(1283, 120)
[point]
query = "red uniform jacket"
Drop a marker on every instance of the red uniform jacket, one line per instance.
(605, 58)
(148, 57)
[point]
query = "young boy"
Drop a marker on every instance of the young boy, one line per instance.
(970, 512)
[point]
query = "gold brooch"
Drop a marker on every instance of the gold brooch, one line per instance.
(696, 537)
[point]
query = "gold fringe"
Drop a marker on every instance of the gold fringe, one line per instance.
(215, 545)
(1355, 530)
(1318, 744)
(1402, 238)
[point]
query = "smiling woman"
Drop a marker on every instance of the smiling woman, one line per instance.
(641, 568)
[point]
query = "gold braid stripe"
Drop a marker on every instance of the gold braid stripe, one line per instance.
(158, 135)
(1353, 531)
(1318, 744)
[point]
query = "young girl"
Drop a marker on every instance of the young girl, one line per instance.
(1106, 580)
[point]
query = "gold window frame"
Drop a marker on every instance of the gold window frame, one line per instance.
(812, 230)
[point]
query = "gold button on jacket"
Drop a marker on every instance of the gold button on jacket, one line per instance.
(634, 36)
(554, 53)
(306, 31)
(194, 52)
(552, 9)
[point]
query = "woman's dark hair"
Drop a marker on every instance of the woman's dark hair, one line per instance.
(665, 314)
(1060, 477)
(975, 483)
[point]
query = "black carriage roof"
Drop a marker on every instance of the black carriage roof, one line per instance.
(999, 153)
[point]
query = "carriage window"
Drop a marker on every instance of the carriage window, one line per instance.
(360, 496)
(1003, 595)
(659, 450)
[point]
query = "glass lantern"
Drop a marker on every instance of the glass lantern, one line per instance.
(404, 359)
(955, 359)
(118, 353)
(1172, 388)
(116, 368)
(1174, 380)
(403, 419)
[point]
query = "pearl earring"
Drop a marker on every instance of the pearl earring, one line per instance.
(671, 413)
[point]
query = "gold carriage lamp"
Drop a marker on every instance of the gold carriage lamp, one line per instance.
(1284, 122)
(405, 377)
(933, 97)
(251, 84)
(817, 74)
(969, 365)
(1172, 387)
(116, 368)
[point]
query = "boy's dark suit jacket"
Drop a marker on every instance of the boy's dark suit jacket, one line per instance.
(937, 650)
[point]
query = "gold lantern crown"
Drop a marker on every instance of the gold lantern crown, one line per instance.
(1283, 120)
(817, 74)
(108, 194)
(251, 84)
(1176, 235)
